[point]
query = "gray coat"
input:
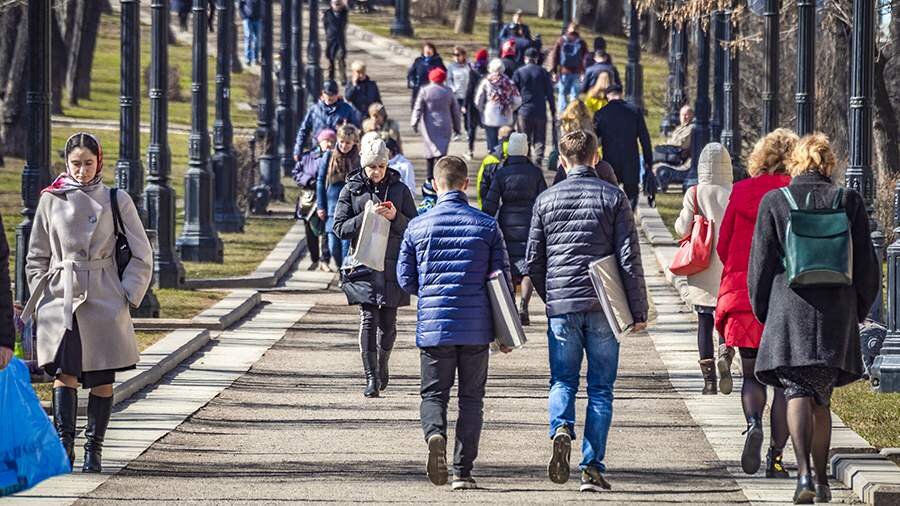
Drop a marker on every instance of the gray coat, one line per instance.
(809, 326)
(73, 240)
(436, 116)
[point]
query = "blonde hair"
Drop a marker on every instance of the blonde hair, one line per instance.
(598, 90)
(812, 153)
(358, 66)
(577, 116)
(770, 153)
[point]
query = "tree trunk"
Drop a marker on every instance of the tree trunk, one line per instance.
(9, 20)
(236, 66)
(886, 131)
(465, 19)
(58, 55)
(833, 87)
(657, 34)
(608, 18)
(13, 133)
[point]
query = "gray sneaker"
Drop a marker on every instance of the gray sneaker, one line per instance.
(460, 483)
(558, 468)
(592, 480)
(436, 468)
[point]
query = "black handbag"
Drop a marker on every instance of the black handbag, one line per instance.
(123, 250)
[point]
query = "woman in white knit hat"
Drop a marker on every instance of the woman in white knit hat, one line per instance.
(377, 293)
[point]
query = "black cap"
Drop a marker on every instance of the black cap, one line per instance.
(614, 88)
(531, 52)
(600, 44)
(330, 87)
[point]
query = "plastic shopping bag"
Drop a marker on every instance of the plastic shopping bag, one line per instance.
(371, 245)
(30, 451)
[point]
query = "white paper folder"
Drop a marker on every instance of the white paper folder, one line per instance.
(608, 285)
(508, 329)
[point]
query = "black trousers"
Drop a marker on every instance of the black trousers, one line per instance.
(317, 246)
(440, 364)
(377, 327)
(632, 191)
(429, 168)
(536, 131)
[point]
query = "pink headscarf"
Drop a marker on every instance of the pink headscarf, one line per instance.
(65, 183)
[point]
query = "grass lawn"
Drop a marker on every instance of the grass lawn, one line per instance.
(243, 252)
(184, 303)
(871, 414)
(669, 206)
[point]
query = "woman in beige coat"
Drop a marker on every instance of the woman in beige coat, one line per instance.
(711, 196)
(81, 306)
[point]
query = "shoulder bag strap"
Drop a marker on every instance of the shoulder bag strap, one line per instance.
(697, 209)
(790, 198)
(838, 199)
(117, 218)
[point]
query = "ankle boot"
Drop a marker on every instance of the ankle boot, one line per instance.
(774, 467)
(99, 409)
(65, 409)
(523, 314)
(708, 368)
(750, 457)
(384, 375)
(726, 355)
(370, 366)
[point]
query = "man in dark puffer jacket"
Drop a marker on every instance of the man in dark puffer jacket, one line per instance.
(446, 258)
(575, 222)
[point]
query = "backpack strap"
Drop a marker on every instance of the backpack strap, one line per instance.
(117, 218)
(838, 199)
(790, 198)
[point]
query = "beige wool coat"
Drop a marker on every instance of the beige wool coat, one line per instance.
(715, 179)
(71, 254)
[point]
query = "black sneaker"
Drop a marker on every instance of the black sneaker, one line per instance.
(558, 468)
(592, 480)
(774, 466)
(436, 468)
(463, 483)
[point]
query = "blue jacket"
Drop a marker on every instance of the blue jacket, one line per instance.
(320, 117)
(446, 258)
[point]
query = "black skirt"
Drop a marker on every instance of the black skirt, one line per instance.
(68, 361)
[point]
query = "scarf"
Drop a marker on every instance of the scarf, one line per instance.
(501, 91)
(64, 183)
(341, 164)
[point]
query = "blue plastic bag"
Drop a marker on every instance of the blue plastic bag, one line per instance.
(30, 451)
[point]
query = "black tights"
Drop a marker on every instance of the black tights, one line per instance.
(753, 398)
(705, 327)
(810, 426)
(377, 327)
(429, 168)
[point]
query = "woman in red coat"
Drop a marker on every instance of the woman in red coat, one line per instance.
(734, 317)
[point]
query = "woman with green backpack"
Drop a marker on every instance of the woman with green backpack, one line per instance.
(813, 276)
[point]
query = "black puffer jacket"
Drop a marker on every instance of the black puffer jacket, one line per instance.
(7, 329)
(517, 183)
(348, 218)
(575, 222)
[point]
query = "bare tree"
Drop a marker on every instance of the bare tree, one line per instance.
(465, 19)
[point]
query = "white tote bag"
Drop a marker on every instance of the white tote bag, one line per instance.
(371, 245)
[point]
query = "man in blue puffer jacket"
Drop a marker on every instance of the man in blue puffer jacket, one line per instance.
(446, 258)
(331, 111)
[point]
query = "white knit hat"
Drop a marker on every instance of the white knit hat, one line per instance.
(518, 145)
(496, 66)
(372, 150)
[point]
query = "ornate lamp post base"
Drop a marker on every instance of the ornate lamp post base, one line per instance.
(400, 26)
(228, 216)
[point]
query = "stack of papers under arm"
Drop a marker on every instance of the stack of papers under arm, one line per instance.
(508, 329)
(608, 285)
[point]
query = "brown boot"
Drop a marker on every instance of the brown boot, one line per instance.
(708, 368)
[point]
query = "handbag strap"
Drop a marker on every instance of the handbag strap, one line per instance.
(117, 218)
(697, 209)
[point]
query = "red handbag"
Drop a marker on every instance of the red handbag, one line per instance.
(696, 247)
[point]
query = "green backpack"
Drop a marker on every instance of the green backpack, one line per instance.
(818, 250)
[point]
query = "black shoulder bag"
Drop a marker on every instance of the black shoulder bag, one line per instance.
(123, 250)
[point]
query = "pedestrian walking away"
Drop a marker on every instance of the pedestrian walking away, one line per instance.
(734, 316)
(330, 111)
(620, 127)
(361, 91)
(335, 21)
(446, 257)
(489, 165)
(497, 98)
(305, 175)
(508, 57)
(82, 290)
(575, 222)
(513, 191)
(377, 293)
(567, 65)
(536, 88)
(417, 76)
(477, 71)
(810, 339)
(334, 168)
(183, 9)
(7, 328)
(595, 97)
(600, 62)
(708, 199)
(401, 164)
(251, 14)
(458, 75)
(378, 121)
(436, 117)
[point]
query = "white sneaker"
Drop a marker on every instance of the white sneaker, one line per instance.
(460, 483)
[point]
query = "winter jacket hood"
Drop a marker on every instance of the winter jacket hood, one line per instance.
(714, 166)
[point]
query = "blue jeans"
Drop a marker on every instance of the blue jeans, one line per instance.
(570, 336)
(566, 90)
(252, 30)
(339, 249)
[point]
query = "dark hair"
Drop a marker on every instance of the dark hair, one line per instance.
(578, 147)
(392, 146)
(451, 171)
(431, 45)
(83, 140)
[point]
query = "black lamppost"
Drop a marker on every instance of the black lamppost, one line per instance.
(199, 241)
(284, 113)
(313, 55)
(159, 195)
(700, 137)
(670, 118)
(731, 124)
(129, 172)
(495, 26)
(771, 42)
(718, 34)
(400, 26)
(805, 97)
(297, 62)
(634, 73)
(566, 14)
(269, 164)
(36, 173)
(228, 216)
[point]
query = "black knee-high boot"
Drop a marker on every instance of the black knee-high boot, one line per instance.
(99, 409)
(370, 366)
(384, 375)
(65, 409)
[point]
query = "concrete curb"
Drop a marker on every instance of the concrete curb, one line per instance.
(871, 476)
(383, 42)
(220, 316)
(270, 271)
